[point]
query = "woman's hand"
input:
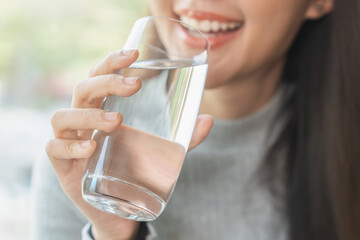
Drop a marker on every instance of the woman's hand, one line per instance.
(72, 146)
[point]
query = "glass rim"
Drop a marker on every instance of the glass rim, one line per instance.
(207, 48)
(134, 40)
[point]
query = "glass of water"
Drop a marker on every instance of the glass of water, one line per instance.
(134, 169)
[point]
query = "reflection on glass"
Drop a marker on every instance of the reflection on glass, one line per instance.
(135, 168)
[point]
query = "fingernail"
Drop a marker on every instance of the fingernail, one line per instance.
(110, 116)
(85, 144)
(130, 80)
(128, 52)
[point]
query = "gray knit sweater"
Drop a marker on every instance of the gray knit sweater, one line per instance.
(216, 197)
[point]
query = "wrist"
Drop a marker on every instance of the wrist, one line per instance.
(117, 233)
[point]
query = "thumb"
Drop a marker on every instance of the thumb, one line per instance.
(202, 129)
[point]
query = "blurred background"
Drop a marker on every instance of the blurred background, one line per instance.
(45, 48)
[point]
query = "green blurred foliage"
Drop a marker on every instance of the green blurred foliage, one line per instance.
(47, 46)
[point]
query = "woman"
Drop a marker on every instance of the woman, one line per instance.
(291, 67)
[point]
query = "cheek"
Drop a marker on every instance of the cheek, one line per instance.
(270, 27)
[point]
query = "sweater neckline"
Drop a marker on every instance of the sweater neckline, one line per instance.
(227, 132)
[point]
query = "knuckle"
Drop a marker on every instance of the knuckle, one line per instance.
(89, 114)
(113, 81)
(58, 114)
(69, 149)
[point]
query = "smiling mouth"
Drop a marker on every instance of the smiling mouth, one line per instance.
(211, 28)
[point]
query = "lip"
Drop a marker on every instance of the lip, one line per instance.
(200, 15)
(216, 41)
(190, 40)
(220, 40)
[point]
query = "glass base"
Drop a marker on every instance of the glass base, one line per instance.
(122, 198)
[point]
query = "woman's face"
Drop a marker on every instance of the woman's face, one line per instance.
(246, 36)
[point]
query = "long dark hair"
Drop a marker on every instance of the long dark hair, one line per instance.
(322, 135)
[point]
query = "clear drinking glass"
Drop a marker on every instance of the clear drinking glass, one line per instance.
(134, 169)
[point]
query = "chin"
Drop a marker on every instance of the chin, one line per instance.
(212, 82)
(218, 76)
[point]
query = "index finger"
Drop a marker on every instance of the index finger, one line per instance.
(114, 61)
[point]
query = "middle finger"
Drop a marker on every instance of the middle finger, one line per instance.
(66, 122)
(91, 92)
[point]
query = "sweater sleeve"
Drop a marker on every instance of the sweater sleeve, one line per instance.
(54, 217)
(146, 232)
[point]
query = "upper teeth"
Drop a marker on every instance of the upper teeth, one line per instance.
(210, 25)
